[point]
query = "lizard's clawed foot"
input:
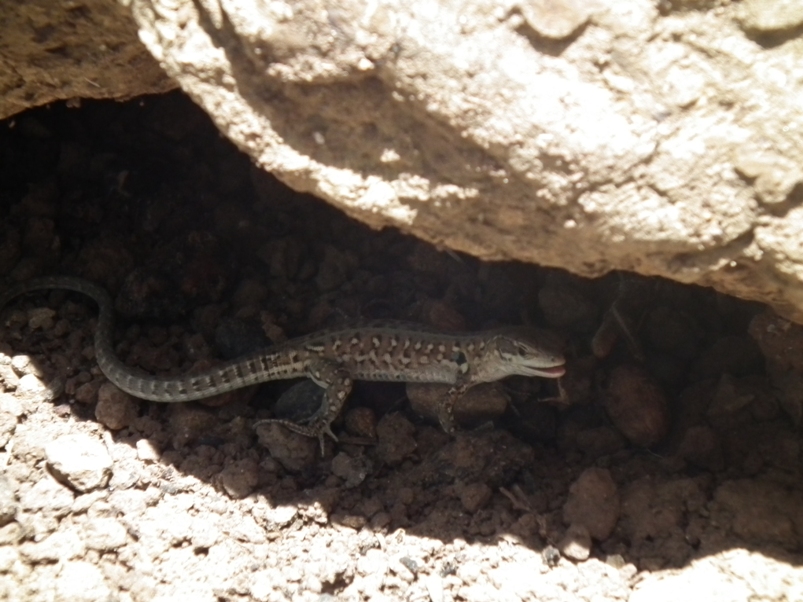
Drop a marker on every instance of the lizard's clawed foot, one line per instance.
(447, 422)
(315, 431)
(446, 407)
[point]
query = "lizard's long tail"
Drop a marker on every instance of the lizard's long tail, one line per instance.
(238, 373)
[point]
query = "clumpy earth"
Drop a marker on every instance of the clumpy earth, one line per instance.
(665, 465)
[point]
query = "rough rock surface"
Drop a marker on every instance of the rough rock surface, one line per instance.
(658, 137)
(72, 50)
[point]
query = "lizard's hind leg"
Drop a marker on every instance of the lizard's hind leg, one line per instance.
(337, 384)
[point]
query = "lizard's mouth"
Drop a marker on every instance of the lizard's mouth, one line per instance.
(554, 372)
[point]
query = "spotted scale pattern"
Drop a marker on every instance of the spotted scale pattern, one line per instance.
(332, 359)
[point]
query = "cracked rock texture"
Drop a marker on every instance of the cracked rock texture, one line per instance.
(658, 137)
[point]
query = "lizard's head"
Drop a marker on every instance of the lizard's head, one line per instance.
(527, 352)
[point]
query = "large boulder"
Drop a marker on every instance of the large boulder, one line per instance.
(658, 137)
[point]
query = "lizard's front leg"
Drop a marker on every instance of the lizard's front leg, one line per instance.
(446, 407)
(337, 383)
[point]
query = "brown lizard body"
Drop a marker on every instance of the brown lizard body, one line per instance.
(332, 359)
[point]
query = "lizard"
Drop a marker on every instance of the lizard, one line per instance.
(333, 359)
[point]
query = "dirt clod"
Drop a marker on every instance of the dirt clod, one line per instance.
(576, 544)
(395, 441)
(115, 408)
(79, 460)
(474, 496)
(637, 405)
(240, 478)
(593, 503)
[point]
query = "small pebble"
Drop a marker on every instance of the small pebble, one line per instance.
(148, 451)
(80, 460)
(10, 404)
(23, 365)
(770, 16)
(444, 317)
(48, 496)
(104, 534)
(352, 521)
(701, 447)
(116, 409)
(8, 424)
(81, 581)
(576, 544)
(474, 496)
(593, 503)
(280, 516)
(32, 389)
(551, 556)
(60, 546)
(637, 406)
(8, 501)
(780, 341)
(361, 422)
(352, 470)
(87, 393)
(395, 439)
(7, 374)
(240, 478)
(41, 318)
(11, 534)
(554, 19)
(8, 558)
(189, 423)
(293, 451)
